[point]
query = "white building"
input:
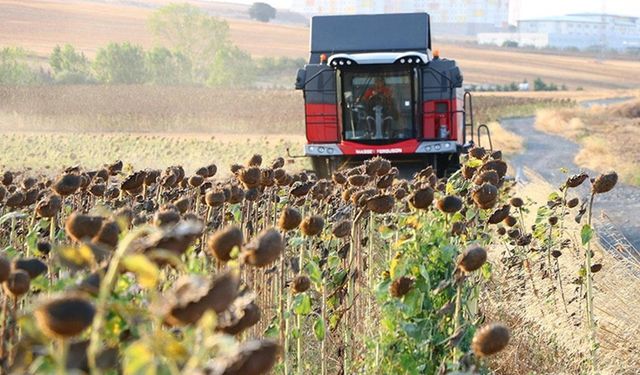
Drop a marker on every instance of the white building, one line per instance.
(447, 16)
(537, 40)
(572, 31)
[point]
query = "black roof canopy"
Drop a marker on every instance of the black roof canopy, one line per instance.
(370, 33)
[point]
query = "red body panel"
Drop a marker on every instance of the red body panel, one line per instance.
(434, 117)
(322, 126)
(354, 148)
(322, 123)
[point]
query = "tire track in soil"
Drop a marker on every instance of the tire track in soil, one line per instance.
(546, 154)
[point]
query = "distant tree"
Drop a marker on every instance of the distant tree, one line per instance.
(231, 67)
(120, 63)
(70, 66)
(539, 85)
(166, 67)
(14, 69)
(188, 30)
(262, 12)
(68, 59)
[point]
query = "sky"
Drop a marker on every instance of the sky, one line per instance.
(535, 8)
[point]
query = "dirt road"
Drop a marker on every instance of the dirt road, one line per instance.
(617, 213)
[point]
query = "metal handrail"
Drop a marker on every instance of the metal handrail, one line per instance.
(484, 126)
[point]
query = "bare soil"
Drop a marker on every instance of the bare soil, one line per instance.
(39, 25)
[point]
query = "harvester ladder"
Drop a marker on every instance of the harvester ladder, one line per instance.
(467, 113)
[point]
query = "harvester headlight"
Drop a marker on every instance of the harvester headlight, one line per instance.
(428, 148)
(402, 61)
(334, 63)
(418, 61)
(329, 150)
(312, 149)
(341, 62)
(447, 145)
(410, 60)
(437, 147)
(348, 62)
(321, 150)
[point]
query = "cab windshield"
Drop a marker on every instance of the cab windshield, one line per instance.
(377, 106)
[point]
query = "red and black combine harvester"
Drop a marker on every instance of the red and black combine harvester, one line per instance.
(373, 86)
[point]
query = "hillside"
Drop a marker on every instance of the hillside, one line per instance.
(38, 25)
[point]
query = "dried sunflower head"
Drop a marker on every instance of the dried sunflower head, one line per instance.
(65, 316)
(604, 183)
(490, 339)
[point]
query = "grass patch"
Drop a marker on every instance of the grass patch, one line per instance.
(490, 109)
(607, 135)
(508, 142)
(547, 339)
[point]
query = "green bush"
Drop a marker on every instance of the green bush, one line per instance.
(14, 69)
(70, 66)
(166, 67)
(231, 67)
(540, 85)
(74, 78)
(268, 65)
(67, 59)
(120, 63)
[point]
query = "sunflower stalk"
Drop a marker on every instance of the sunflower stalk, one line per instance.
(300, 360)
(103, 295)
(457, 317)
(3, 325)
(589, 287)
(63, 349)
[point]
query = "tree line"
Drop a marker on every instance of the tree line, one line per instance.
(192, 47)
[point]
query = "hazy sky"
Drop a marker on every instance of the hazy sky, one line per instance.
(536, 8)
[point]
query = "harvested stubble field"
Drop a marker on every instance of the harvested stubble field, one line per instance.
(608, 135)
(152, 125)
(39, 25)
(183, 109)
(139, 108)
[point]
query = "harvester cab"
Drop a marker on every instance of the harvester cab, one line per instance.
(373, 86)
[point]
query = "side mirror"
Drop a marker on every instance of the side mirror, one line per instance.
(301, 78)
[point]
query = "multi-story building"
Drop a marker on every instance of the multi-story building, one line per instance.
(447, 16)
(584, 30)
